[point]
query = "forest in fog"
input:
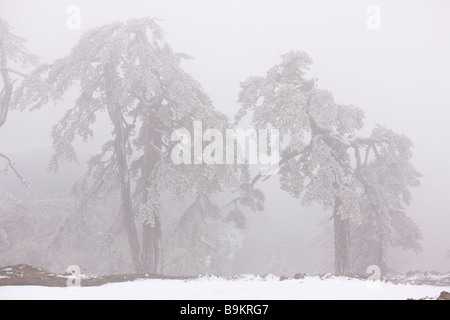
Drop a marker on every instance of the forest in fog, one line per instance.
(139, 173)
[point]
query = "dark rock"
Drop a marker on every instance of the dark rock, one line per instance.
(444, 296)
(299, 276)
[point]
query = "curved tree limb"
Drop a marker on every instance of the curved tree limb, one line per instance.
(13, 168)
(16, 72)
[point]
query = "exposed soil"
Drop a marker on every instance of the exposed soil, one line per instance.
(26, 275)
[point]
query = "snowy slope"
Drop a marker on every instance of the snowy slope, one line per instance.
(269, 288)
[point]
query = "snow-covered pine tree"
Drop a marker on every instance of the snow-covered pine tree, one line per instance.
(154, 170)
(321, 147)
(386, 175)
(129, 71)
(118, 67)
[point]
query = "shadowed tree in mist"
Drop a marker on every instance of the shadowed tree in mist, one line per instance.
(13, 57)
(364, 180)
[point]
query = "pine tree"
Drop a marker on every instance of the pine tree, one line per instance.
(128, 71)
(324, 159)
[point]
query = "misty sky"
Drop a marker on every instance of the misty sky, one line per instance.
(399, 74)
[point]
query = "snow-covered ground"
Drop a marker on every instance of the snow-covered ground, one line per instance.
(244, 288)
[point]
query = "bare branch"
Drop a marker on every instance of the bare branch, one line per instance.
(16, 172)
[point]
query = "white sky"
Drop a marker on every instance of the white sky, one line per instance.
(399, 75)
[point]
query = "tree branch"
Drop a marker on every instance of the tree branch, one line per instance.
(16, 72)
(144, 101)
(283, 161)
(16, 172)
(374, 147)
(358, 158)
(366, 159)
(5, 99)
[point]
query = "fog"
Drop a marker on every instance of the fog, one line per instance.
(398, 74)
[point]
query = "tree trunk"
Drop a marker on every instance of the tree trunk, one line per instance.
(148, 249)
(148, 232)
(125, 197)
(152, 233)
(342, 247)
(8, 86)
(121, 139)
(152, 255)
(4, 104)
(158, 247)
(148, 227)
(380, 257)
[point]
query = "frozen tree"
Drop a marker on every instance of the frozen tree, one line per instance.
(324, 159)
(178, 102)
(117, 68)
(13, 57)
(128, 71)
(314, 170)
(386, 175)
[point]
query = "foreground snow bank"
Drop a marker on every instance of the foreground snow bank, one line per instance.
(243, 288)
